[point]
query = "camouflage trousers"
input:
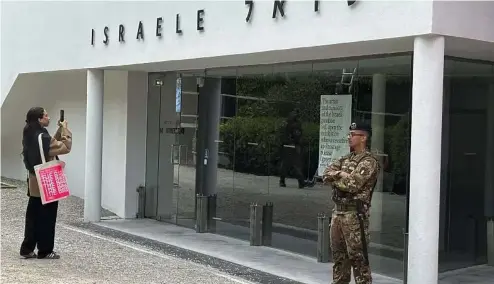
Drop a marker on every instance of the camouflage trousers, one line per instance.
(346, 247)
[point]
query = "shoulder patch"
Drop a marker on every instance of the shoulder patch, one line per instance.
(366, 155)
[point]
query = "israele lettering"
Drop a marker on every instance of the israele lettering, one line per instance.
(278, 11)
(140, 29)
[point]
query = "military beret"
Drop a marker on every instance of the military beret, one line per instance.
(361, 126)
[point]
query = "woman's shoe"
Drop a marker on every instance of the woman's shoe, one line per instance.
(29, 255)
(51, 255)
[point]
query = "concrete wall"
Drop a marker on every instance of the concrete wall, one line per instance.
(124, 130)
(52, 91)
(57, 36)
(47, 36)
(464, 19)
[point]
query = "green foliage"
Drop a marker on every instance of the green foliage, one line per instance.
(239, 133)
(259, 121)
(399, 141)
(281, 95)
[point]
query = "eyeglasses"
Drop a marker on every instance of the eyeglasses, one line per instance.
(353, 134)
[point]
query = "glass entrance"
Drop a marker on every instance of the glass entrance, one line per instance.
(466, 228)
(183, 149)
(464, 213)
(170, 165)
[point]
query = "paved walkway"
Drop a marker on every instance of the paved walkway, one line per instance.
(146, 251)
(89, 257)
(285, 264)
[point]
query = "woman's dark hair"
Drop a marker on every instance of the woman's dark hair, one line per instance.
(32, 126)
(32, 121)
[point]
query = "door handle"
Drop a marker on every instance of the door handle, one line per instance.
(173, 148)
(172, 154)
(186, 154)
(180, 154)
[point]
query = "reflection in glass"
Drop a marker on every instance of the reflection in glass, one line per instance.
(466, 164)
(225, 152)
(382, 99)
(184, 155)
(278, 134)
(252, 148)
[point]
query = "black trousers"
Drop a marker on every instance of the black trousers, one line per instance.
(291, 157)
(40, 227)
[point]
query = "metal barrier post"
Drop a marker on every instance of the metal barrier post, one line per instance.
(255, 225)
(202, 213)
(322, 238)
(405, 257)
(490, 241)
(141, 201)
(212, 213)
(267, 224)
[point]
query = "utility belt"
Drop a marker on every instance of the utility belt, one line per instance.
(346, 207)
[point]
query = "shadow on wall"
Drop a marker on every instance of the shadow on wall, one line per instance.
(53, 91)
(67, 90)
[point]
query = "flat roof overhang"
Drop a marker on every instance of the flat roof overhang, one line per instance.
(339, 52)
(455, 47)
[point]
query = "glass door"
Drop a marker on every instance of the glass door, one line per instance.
(166, 194)
(183, 149)
(465, 224)
(171, 157)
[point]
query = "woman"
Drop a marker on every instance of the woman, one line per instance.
(41, 219)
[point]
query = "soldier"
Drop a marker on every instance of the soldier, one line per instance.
(352, 178)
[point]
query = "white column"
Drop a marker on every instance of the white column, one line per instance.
(94, 145)
(425, 159)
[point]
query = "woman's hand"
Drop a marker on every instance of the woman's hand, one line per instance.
(62, 124)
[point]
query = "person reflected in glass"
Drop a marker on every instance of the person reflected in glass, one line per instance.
(291, 149)
(41, 219)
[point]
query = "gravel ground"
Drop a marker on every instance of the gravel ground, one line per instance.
(88, 257)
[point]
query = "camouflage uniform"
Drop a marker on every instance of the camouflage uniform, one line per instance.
(345, 233)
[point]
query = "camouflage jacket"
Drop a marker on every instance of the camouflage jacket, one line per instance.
(363, 169)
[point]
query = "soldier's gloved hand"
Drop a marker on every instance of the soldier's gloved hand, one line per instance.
(327, 176)
(343, 175)
(325, 179)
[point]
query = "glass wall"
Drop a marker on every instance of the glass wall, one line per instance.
(466, 189)
(280, 126)
(272, 130)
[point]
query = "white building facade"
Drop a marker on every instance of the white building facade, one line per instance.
(187, 97)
